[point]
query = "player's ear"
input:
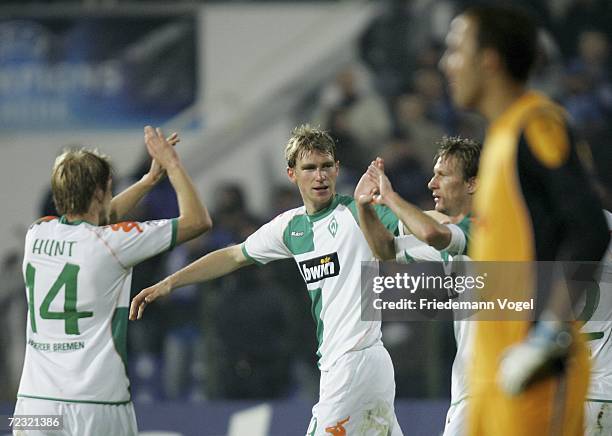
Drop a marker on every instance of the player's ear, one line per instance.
(98, 195)
(291, 174)
(472, 185)
(491, 60)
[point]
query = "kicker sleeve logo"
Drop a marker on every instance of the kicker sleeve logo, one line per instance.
(320, 268)
(126, 226)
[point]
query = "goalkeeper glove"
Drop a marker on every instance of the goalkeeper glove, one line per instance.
(542, 354)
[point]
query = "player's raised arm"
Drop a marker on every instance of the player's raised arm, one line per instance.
(379, 238)
(194, 218)
(125, 201)
(421, 224)
(209, 267)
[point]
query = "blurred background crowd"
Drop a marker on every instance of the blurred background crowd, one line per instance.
(250, 335)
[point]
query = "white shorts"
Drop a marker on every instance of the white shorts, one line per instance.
(597, 418)
(82, 419)
(456, 419)
(356, 396)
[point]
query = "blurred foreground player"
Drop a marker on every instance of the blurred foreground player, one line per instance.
(534, 203)
(78, 270)
(357, 387)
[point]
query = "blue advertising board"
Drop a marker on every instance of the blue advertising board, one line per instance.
(96, 72)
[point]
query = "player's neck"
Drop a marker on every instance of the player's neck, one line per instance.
(461, 213)
(499, 97)
(92, 217)
(312, 209)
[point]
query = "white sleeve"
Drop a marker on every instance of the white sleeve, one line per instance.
(267, 243)
(133, 242)
(400, 228)
(410, 249)
(458, 242)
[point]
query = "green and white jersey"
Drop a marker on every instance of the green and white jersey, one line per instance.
(328, 248)
(598, 330)
(410, 249)
(78, 279)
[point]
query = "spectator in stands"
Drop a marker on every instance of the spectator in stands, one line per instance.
(429, 86)
(413, 122)
(589, 90)
(406, 168)
(365, 113)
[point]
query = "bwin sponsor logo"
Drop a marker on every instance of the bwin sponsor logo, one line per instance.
(320, 268)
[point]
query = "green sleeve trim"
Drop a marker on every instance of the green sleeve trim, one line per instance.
(352, 206)
(384, 214)
(596, 400)
(65, 400)
(388, 218)
(174, 234)
(593, 336)
(248, 256)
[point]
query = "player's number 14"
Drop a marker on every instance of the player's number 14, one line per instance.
(68, 279)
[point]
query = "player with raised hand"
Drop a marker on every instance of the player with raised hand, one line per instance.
(441, 235)
(357, 387)
(77, 270)
(123, 203)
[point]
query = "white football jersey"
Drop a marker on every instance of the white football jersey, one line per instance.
(328, 248)
(409, 249)
(78, 279)
(598, 330)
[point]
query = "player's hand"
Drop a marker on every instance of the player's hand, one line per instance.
(157, 172)
(377, 170)
(147, 296)
(366, 188)
(539, 356)
(159, 148)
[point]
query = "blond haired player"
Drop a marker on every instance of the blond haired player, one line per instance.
(78, 270)
(357, 387)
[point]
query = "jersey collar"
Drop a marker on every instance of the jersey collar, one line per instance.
(325, 212)
(64, 220)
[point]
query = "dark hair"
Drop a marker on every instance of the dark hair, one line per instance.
(509, 31)
(466, 151)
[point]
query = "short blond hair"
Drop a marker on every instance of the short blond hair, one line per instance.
(77, 173)
(305, 139)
